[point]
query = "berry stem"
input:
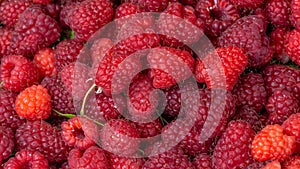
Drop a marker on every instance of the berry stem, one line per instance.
(95, 121)
(1, 83)
(69, 116)
(85, 98)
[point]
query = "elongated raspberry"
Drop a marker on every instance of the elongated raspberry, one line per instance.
(34, 103)
(229, 63)
(295, 11)
(118, 162)
(44, 59)
(271, 144)
(27, 158)
(41, 136)
(202, 161)
(292, 163)
(277, 38)
(18, 72)
(292, 48)
(278, 12)
(5, 40)
(7, 140)
(93, 157)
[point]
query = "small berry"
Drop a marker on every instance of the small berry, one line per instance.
(173, 97)
(44, 60)
(292, 40)
(7, 142)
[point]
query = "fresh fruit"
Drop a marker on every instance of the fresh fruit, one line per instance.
(202, 161)
(5, 40)
(291, 127)
(292, 163)
(277, 38)
(7, 142)
(278, 12)
(291, 45)
(247, 3)
(117, 162)
(295, 11)
(44, 60)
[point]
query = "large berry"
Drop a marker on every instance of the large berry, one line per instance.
(44, 60)
(250, 90)
(278, 12)
(88, 17)
(272, 144)
(295, 10)
(27, 158)
(93, 157)
(292, 40)
(249, 33)
(202, 161)
(41, 136)
(222, 67)
(118, 162)
(5, 41)
(18, 72)
(34, 103)
(233, 148)
(7, 142)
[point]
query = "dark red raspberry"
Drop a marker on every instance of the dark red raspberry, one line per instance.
(61, 99)
(295, 11)
(169, 66)
(277, 38)
(153, 5)
(282, 77)
(292, 163)
(247, 3)
(278, 12)
(256, 165)
(79, 132)
(124, 11)
(217, 15)
(66, 52)
(118, 162)
(173, 98)
(120, 137)
(43, 2)
(250, 90)
(7, 142)
(149, 129)
(281, 104)
(18, 72)
(249, 33)
(202, 161)
(27, 158)
(53, 10)
(93, 157)
(41, 136)
(99, 49)
(233, 148)
(189, 2)
(292, 40)
(8, 117)
(88, 17)
(5, 40)
(10, 10)
(222, 67)
(65, 9)
(33, 31)
(44, 60)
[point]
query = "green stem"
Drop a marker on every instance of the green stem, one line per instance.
(85, 98)
(64, 115)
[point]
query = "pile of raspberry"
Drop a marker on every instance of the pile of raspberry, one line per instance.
(150, 84)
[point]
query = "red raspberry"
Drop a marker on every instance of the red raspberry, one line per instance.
(295, 11)
(278, 12)
(7, 143)
(61, 99)
(169, 66)
(44, 59)
(233, 148)
(277, 38)
(189, 2)
(33, 31)
(27, 158)
(154, 5)
(249, 33)
(250, 90)
(41, 136)
(202, 161)
(231, 62)
(256, 165)
(79, 132)
(10, 10)
(66, 52)
(120, 137)
(173, 97)
(272, 165)
(281, 104)
(117, 162)
(5, 40)
(88, 17)
(292, 40)
(18, 72)
(53, 9)
(8, 117)
(43, 2)
(99, 49)
(292, 163)
(124, 11)
(291, 127)
(65, 9)
(247, 3)
(34, 103)
(218, 15)
(149, 129)
(93, 157)
(271, 144)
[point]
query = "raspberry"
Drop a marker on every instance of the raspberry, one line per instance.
(292, 163)
(295, 11)
(272, 165)
(8, 117)
(33, 31)
(43, 2)
(117, 162)
(277, 38)
(34, 103)
(292, 40)
(271, 144)
(250, 90)
(93, 157)
(279, 77)
(281, 104)
(124, 11)
(173, 97)
(61, 99)
(247, 3)
(169, 66)
(189, 2)
(7, 142)
(88, 17)
(249, 33)
(218, 15)
(65, 9)
(291, 127)
(256, 165)
(18, 72)
(27, 158)
(120, 137)
(41, 136)
(278, 12)
(99, 49)
(10, 10)
(44, 59)
(233, 148)
(149, 129)
(202, 161)
(154, 5)
(5, 40)
(231, 63)
(66, 52)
